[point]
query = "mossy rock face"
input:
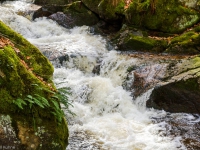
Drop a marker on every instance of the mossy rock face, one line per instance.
(137, 40)
(132, 38)
(25, 86)
(141, 43)
(186, 43)
(109, 10)
(162, 15)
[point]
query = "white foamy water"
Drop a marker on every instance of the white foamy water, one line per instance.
(107, 117)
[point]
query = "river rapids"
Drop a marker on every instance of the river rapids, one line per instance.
(107, 114)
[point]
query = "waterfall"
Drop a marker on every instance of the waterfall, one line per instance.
(107, 116)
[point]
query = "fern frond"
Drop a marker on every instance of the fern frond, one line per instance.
(43, 100)
(19, 102)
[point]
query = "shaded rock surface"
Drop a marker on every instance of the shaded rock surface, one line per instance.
(181, 96)
(75, 14)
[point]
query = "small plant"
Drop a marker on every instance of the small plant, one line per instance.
(62, 97)
(19, 102)
(37, 100)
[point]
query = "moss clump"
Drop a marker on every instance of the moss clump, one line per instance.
(143, 43)
(187, 43)
(29, 53)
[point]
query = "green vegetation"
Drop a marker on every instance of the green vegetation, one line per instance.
(26, 89)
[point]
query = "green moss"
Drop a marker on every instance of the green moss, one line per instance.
(29, 53)
(197, 29)
(161, 15)
(110, 10)
(140, 43)
(196, 61)
(186, 43)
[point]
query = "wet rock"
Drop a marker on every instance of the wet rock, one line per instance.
(79, 15)
(181, 90)
(62, 19)
(46, 11)
(181, 96)
(96, 69)
(68, 16)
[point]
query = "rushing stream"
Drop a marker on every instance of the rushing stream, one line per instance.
(107, 116)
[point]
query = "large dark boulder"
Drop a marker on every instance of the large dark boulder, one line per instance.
(180, 89)
(46, 11)
(181, 96)
(75, 14)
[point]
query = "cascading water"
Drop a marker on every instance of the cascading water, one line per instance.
(107, 117)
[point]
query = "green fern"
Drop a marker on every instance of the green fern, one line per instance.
(43, 100)
(19, 102)
(58, 113)
(59, 97)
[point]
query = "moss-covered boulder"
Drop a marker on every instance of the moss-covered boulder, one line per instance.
(186, 43)
(163, 15)
(160, 15)
(27, 94)
(109, 10)
(137, 40)
(140, 39)
(181, 93)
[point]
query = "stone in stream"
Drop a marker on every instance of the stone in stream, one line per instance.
(181, 92)
(181, 96)
(68, 16)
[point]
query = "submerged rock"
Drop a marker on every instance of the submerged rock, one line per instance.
(26, 92)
